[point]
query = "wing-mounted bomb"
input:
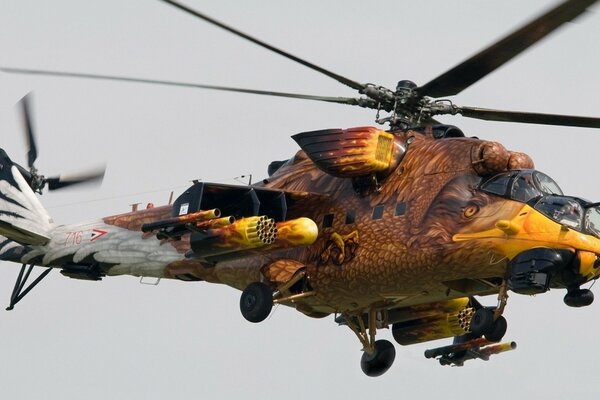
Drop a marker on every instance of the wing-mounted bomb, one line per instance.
(363, 153)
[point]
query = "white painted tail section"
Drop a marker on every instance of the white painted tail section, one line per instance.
(22, 216)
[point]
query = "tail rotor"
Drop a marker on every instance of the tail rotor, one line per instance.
(37, 181)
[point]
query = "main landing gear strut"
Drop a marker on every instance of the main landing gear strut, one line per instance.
(258, 298)
(489, 322)
(378, 355)
(257, 302)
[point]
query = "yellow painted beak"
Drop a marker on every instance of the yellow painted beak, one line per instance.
(531, 229)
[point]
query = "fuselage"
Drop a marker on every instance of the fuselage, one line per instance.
(400, 244)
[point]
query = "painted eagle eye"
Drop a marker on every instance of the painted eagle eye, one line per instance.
(471, 210)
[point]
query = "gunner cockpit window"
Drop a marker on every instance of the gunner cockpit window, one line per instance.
(566, 211)
(592, 221)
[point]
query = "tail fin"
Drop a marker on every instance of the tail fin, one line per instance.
(22, 216)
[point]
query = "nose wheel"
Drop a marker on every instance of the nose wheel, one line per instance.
(488, 322)
(484, 324)
(579, 298)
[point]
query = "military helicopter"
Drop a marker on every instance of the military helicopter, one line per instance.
(362, 222)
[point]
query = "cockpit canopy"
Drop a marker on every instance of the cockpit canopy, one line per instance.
(544, 194)
(572, 212)
(521, 185)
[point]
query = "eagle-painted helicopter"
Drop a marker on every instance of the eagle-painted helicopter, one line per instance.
(399, 227)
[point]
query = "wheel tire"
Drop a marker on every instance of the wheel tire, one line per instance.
(579, 298)
(380, 361)
(256, 302)
(498, 330)
(482, 321)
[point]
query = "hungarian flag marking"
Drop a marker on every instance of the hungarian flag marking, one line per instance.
(97, 234)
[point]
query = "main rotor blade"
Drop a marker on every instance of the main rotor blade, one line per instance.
(528, 117)
(339, 78)
(62, 181)
(29, 134)
(470, 71)
(367, 103)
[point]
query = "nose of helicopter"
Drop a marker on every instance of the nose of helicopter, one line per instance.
(530, 229)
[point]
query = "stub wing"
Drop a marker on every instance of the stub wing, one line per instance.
(227, 221)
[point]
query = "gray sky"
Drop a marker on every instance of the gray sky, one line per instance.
(118, 339)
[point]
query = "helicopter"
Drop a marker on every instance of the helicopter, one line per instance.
(322, 224)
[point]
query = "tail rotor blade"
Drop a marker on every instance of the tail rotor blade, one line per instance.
(29, 132)
(59, 182)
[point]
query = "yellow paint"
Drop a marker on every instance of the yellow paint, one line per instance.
(297, 232)
(439, 326)
(374, 154)
(530, 229)
(427, 310)
(499, 348)
(215, 223)
(247, 233)
(508, 227)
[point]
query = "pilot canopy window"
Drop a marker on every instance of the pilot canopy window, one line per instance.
(521, 185)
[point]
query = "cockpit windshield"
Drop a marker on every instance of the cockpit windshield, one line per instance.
(521, 185)
(566, 211)
(591, 222)
(571, 212)
(543, 193)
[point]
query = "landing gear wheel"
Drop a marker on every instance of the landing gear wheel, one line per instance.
(482, 321)
(256, 302)
(579, 298)
(498, 330)
(380, 361)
